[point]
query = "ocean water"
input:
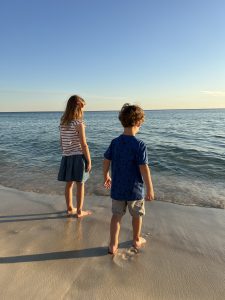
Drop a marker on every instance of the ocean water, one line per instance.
(186, 151)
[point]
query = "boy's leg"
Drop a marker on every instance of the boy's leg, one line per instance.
(69, 195)
(118, 211)
(114, 233)
(80, 201)
(138, 241)
(137, 210)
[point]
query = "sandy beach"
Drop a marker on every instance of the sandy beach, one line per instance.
(45, 255)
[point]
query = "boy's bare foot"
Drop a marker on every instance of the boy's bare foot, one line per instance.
(112, 250)
(139, 243)
(83, 213)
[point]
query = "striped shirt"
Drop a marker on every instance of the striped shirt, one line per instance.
(70, 140)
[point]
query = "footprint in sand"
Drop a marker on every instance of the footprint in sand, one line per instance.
(125, 255)
(147, 234)
(14, 231)
(128, 254)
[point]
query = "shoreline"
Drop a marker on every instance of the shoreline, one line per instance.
(103, 193)
(46, 255)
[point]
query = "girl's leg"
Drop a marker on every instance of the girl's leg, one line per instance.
(80, 201)
(114, 233)
(69, 195)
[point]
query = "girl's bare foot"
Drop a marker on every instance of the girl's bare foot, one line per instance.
(83, 213)
(71, 211)
(139, 243)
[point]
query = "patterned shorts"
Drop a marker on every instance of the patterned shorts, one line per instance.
(136, 208)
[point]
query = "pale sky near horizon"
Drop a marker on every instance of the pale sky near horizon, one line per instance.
(160, 54)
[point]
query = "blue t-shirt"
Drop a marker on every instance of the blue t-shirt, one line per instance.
(126, 153)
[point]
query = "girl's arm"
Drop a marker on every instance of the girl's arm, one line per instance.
(84, 146)
(60, 139)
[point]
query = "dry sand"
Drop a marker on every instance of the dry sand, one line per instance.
(44, 255)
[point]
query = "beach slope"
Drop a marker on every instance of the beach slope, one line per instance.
(44, 255)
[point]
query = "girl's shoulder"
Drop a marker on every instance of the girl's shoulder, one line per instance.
(78, 122)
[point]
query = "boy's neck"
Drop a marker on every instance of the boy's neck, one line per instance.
(130, 131)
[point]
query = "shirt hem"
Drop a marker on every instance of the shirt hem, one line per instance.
(72, 153)
(142, 198)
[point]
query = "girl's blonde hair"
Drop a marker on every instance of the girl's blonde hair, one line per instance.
(73, 110)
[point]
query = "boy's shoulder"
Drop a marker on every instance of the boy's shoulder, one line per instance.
(140, 142)
(129, 139)
(115, 140)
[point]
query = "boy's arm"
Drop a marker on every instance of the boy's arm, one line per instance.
(145, 173)
(107, 178)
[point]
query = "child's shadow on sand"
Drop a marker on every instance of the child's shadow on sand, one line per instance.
(32, 217)
(72, 254)
(90, 252)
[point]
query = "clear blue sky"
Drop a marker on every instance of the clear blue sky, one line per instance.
(160, 54)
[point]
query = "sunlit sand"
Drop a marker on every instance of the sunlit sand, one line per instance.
(45, 255)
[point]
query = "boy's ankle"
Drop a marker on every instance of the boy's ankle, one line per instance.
(138, 242)
(113, 248)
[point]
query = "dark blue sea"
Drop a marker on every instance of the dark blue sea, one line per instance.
(186, 151)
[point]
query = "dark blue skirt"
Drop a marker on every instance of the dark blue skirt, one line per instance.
(72, 168)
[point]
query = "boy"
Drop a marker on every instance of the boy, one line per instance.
(129, 167)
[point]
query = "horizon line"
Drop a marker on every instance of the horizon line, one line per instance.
(109, 110)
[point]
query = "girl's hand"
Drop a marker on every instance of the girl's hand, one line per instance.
(149, 196)
(108, 182)
(88, 167)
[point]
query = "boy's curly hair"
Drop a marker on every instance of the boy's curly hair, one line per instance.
(130, 115)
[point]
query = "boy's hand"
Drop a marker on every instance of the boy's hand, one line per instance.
(107, 183)
(149, 196)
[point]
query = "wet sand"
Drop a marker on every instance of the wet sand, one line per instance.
(44, 255)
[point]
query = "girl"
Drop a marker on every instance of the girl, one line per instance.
(76, 161)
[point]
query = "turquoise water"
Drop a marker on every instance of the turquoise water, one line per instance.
(186, 152)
